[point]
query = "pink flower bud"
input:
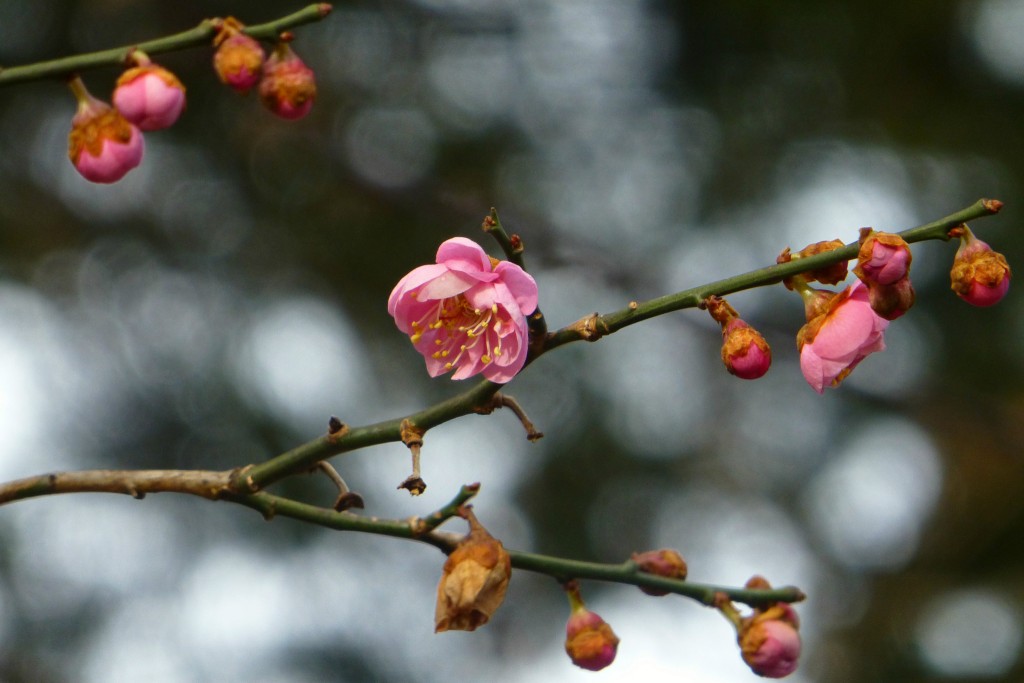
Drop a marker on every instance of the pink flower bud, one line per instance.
(980, 276)
(744, 351)
(102, 145)
(770, 643)
(149, 96)
(466, 313)
(892, 301)
(589, 641)
(843, 331)
(666, 562)
(288, 87)
(884, 257)
(238, 60)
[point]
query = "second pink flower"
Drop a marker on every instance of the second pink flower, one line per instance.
(466, 312)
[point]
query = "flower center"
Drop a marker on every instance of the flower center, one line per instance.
(459, 328)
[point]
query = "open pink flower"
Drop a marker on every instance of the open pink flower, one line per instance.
(466, 312)
(149, 96)
(842, 333)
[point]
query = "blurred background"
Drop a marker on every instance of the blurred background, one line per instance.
(216, 306)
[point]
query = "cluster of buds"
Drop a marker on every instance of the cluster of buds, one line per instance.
(844, 328)
(476, 575)
(287, 86)
(769, 638)
(106, 141)
(883, 265)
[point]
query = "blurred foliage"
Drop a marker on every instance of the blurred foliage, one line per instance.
(219, 304)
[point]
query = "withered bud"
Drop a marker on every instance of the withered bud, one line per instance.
(473, 581)
(829, 275)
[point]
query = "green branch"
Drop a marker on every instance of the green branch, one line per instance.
(214, 486)
(303, 457)
(596, 326)
(201, 35)
(472, 400)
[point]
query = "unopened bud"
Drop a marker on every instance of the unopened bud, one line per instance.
(884, 258)
(238, 60)
(589, 640)
(666, 562)
(745, 352)
(770, 643)
(288, 87)
(102, 145)
(149, 96)
(980, 276)
(892, 301)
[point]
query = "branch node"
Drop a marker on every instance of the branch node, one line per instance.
(590, 328)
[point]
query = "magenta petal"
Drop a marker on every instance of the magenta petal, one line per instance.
(520, 284)
(463, 254)
(445, 285)
(114, 161)
(410, 282)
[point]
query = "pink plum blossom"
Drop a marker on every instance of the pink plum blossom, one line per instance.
(770, 643)
(843, 333)
(288, 87)
(466, 313)
(102, 145)
(149, 96)
(980, 276)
